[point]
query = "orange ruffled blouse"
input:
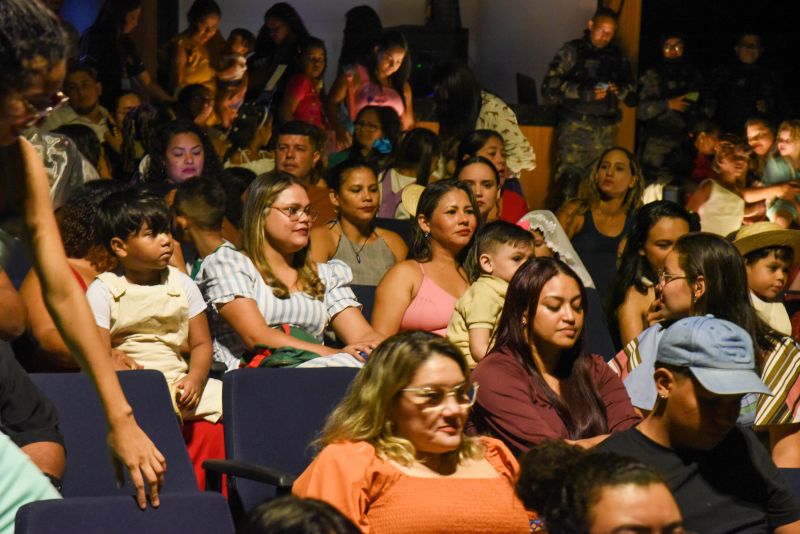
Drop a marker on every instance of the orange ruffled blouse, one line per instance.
(379, 498)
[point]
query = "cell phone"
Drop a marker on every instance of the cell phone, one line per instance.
(692, 96)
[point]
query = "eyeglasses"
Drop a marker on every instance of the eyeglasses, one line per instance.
(295, 212)
(673, 47)
(38, 112)
(367, 126)
(433, 398)
(665, 278)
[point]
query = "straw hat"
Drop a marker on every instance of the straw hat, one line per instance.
(767, 234)
(410, 198)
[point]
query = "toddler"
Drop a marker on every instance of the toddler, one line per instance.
(234, 61)
(502, 247)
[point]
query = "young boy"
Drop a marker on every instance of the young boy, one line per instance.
(502, 247)
(151, 312)
(769, 252)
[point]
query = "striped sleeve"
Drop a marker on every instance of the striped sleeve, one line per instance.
(228, 274)
(336, 276)
(781, 373)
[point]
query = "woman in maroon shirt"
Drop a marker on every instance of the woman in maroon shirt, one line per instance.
(537, 382)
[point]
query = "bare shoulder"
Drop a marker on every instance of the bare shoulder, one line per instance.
(571, 216)
(323, 243)
(396, 243)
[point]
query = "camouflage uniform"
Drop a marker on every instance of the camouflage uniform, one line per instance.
(586, 126)
(663, 131)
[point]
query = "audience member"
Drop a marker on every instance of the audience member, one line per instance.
(784, 167)
(87, 144)
(489, 144)
(13, 313)
(235, 181)
(376, 134)
(704, 274)
(483, 179)
(634, 304)
(127, 102)
(760, 135)
(247, 139)
(353, 237)
(703, 368)
(299, 153)
(421, 293)
(83, 90)
(381, 81)
(233, 64)
(595, 492)
(33, 67)
(769, 252)
(291, 515)
(181, 151)
(587, 79)
(704, 136)
(670, 100)
(538, 382)
(250, 296)
(462, 107)
(747, 88)
(501, 248)
(190, 61)
(195, 102)
(109, 48)
(600, 216)
(414, 160)
(395, 458)
(361, 34)
(305, 90)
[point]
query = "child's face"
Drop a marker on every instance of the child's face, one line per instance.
(237, 46)
(733, 166)
(767, 276)
(145, 250)
(314, 63)
(788, 146)
(504, 261)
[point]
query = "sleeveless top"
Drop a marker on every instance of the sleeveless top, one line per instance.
(368, 263)
(431, 308)
(369, 93)
(598, 252)
(198, 67)
(723, 212)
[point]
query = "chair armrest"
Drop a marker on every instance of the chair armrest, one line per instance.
(281, 480)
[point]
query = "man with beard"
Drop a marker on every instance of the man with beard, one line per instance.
(83, 90)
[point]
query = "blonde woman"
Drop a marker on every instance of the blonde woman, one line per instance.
(395, 457)
(274, 282)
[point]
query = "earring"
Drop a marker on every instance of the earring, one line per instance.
(662, 396)
(426, 235)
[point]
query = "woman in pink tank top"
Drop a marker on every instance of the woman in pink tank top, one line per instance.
(421, 293)
(383, 81)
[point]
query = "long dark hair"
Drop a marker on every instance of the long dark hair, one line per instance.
(111, 17)
(362, 31)
(727, 295)
(289, 16)
(420, 245)
(471, 144)
(391, 129)
(417, 150)
(389, 40)
(579, 406)
(633, 265)
(458, 103)
(157, 171)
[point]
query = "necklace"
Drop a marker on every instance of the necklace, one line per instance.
(364, 244)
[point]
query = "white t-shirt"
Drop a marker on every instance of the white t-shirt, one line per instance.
(100, 300)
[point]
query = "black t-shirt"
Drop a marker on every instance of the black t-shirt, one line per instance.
(734, 487)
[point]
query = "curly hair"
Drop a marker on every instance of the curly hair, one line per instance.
(261, 194)
(364, 413)
(157, 170)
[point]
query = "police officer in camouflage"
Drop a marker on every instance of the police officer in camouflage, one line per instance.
(670, 100)
(587, 79)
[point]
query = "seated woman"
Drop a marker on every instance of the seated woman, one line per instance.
(595, 492)
(538, 382)
(302, 99)
(705, 274)
(600, 217)
(489, 144)
(784, 167)
(413, 162)
(377, 132)
(421, 293)
(190, 61)
(724, 200)
(181, 150)
(395, 458)
(277, 283)
(352, 237)
(484, 181)
(195, 103)
(655, 229)
(383, 82)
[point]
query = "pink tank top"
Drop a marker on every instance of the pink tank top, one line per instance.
(431, 308)
(373, 94)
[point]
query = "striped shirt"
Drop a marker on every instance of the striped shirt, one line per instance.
(227, 274)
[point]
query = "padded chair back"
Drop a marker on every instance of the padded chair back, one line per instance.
(179, 512)
(398, 226)
(598, 336)
(271, 418)
(366, 296)
(792, 476)
(82, 422)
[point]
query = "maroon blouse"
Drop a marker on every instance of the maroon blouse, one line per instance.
(512, 408)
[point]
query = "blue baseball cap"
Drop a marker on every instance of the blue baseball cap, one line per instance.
(718, 352)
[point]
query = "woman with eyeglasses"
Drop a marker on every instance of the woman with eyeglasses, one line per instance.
(377, 134)
(395, 458)
(32, 68)
(705, 274)
(538, 382)
(275, 282)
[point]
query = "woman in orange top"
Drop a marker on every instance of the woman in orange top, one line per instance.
(395, 457)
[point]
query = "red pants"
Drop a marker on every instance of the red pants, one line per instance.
(204, 441)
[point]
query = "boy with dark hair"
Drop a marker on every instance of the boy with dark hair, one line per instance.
(501, 248)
